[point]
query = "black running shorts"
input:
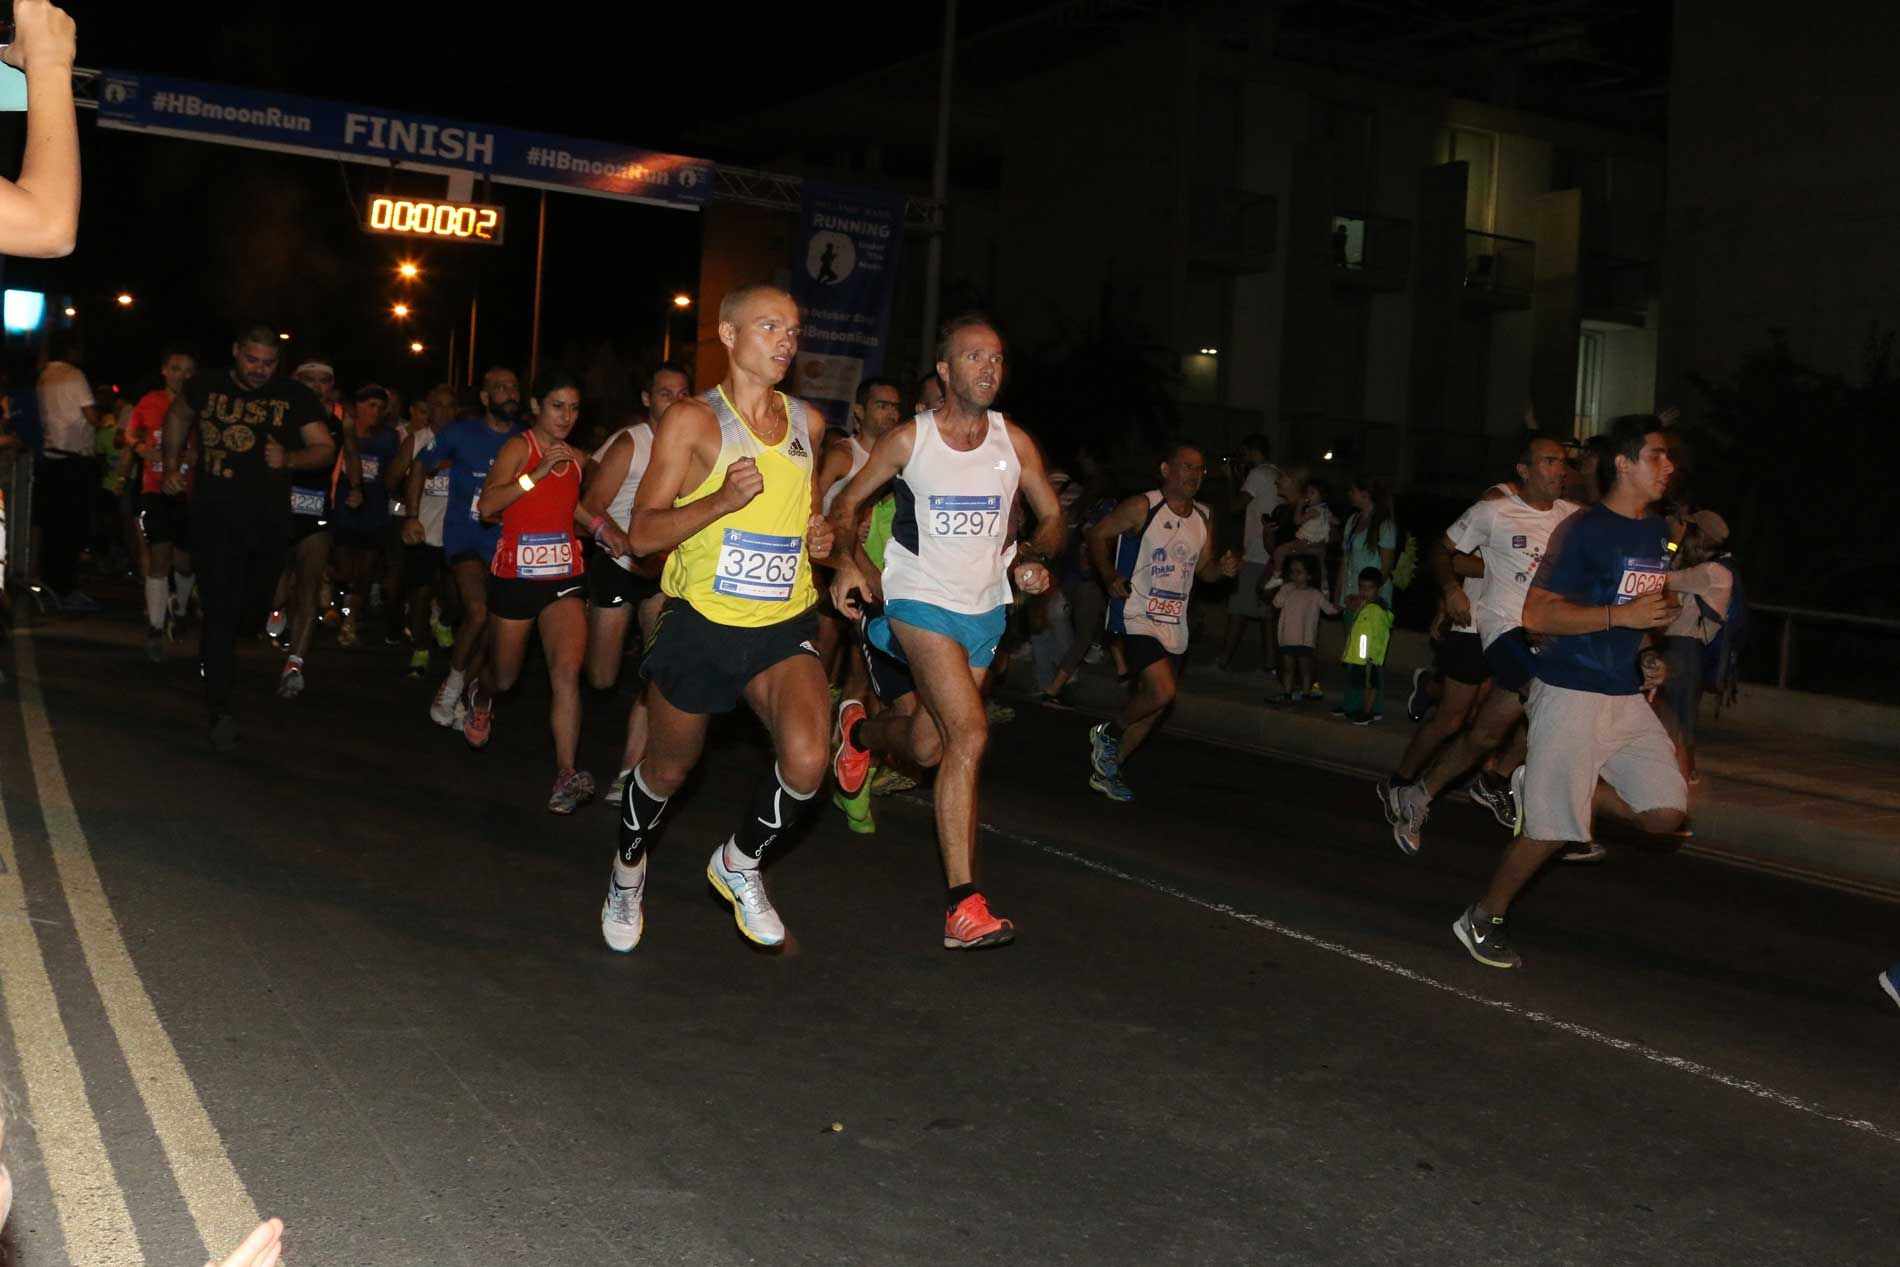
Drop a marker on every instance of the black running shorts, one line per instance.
(1461, 658)
(165, 519)
(610, 585)
(1140, 651)
(702, 666)
(513, 598)
(420, 566)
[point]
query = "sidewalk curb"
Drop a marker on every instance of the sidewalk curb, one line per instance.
(1790, 840)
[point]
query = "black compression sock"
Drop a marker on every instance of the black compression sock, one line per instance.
(956, 896)
(775, 809)
(640, 812)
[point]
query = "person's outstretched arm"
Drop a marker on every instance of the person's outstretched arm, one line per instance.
(39, 213)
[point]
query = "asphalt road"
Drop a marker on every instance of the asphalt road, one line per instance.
(352, 975)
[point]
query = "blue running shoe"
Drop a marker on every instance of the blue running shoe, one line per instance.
(1105, 751)
(1890, 982)
(1111, 787)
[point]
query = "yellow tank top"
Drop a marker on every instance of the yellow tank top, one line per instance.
(749, 568)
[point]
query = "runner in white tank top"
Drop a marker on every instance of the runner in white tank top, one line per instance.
(954, 472)
(632, 587)
(859, 456)
(1162, 541)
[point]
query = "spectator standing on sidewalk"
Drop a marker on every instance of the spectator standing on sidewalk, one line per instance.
(67, 476)
(1362, 701)
(1705, 574)
(1299, 603)
(1371, 540)
(1260, 490)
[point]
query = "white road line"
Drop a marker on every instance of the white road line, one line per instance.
(1680, 1064)
(86, 1197)
(219, 1203)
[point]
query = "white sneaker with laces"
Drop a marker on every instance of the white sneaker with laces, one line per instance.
(622, 918)
(752, 910)
(447, 702)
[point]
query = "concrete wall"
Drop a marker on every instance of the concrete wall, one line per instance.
(1783, 193)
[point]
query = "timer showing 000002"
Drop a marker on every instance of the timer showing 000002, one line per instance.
(427, 218)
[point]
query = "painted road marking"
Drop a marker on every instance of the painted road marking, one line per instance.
(219, 1203)
(1680, 1064)
(86, 1197)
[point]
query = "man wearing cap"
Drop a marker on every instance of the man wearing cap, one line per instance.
(361, 525)
(255, 429)
(1705, 577)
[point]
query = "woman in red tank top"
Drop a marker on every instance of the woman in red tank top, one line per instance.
(534, 580)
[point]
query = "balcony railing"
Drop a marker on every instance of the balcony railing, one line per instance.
(1498, 270)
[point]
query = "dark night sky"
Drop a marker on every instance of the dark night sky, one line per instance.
(206, 234)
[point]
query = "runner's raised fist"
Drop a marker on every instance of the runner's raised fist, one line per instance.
(743, 483)
(818, 538)
(44, 37)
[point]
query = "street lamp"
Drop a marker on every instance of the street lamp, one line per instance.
(72, 312)
(125, 299)
(399, 311)
(408, 271)
(284, 335)
(681, 302)
(415, 345)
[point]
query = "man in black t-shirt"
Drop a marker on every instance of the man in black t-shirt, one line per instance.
(254, 429)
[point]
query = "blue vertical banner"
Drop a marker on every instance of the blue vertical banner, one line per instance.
(844, 272)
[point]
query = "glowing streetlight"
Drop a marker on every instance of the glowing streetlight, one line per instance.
(682, 301)
(125, 299)
(284, 335)
(399, 311)
(408, 271)
(415, 346)
(72, 312)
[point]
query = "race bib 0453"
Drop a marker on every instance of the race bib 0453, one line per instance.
(757, 566)
(1166, 607)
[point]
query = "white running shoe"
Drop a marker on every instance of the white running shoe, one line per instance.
(275, 626)
(752, 910)
(622, 919)
(447, 705)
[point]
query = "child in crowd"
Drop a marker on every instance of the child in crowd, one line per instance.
(1364, 656)
(1299, 603)
(1313, 525)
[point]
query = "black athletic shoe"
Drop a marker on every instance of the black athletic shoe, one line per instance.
(1484, 937)
(224, 732)
(1497, 799)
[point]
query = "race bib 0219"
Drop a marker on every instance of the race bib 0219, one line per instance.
(757, 566)
(544, 554)
(956, 515)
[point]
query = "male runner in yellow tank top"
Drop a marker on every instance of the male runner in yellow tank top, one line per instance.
(729, 491)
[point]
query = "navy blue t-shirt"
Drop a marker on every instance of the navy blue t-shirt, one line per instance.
(1598, 557)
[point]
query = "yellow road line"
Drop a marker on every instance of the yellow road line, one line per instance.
(86, 1196)
(219, 1203)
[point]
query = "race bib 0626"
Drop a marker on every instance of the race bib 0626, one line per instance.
(1640, 576)
(757, 566)
(544, 554)
(954, 515)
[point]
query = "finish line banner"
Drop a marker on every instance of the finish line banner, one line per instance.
(844, 271)
(365, 134)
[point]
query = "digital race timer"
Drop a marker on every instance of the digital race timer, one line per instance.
(436, 219)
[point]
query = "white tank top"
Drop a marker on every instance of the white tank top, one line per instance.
(433, 510)
(950, 541)
(620, 509)
(859, 456)
(1159, 563)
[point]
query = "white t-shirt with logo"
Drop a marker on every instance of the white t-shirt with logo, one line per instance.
(1263, 498)
(1510, 535)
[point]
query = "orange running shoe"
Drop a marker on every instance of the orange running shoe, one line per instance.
(850, 764)
(481, 718)
(971, 926)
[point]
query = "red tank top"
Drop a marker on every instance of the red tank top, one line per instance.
(537, 530)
